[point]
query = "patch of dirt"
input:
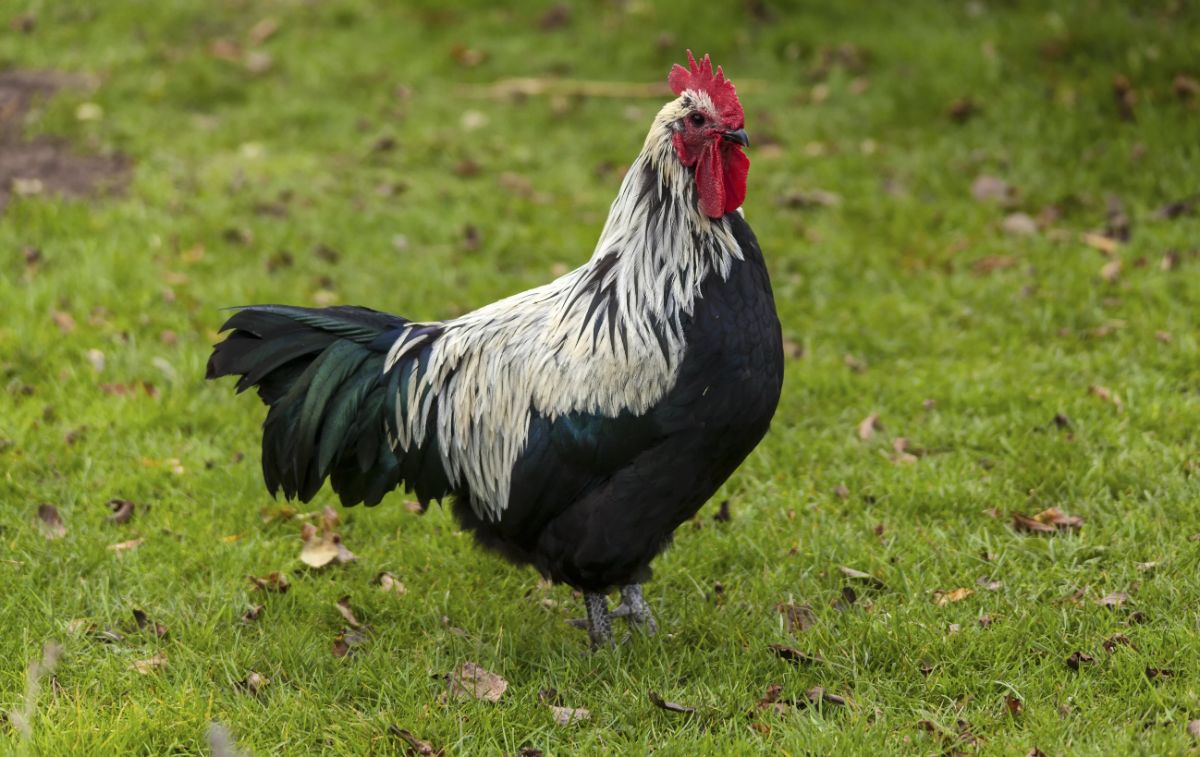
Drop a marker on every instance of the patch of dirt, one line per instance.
(47, 165)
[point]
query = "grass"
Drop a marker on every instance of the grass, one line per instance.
(235, 168)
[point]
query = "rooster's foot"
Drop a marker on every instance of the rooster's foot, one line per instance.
(633, 608)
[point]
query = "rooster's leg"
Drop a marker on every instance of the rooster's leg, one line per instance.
(634, 609)
(599, 623)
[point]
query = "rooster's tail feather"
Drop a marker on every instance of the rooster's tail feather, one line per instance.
(321, 371)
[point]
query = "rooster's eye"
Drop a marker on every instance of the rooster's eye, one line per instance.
(697, 119)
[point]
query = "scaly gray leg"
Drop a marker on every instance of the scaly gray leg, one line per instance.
(634, 609)
(599, 623)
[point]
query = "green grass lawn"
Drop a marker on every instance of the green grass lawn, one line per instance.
(355, 156)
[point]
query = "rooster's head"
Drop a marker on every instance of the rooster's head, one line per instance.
(706, 130)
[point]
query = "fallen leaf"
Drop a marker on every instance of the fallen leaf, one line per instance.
(145, 623)
(1193, 729)
(97, 359)
(793, 655)
(555, 17)
(343, 607)
(943, 598)
(818, 695)
(866, 578)
(1155, 674)
(1100, 242)
(989, 263)
(722, 515)
(253, 683)
(1170, 260)
(389, 583)
(669, 706)
(1117, 640)
(992, 189)
(1115, 599)
(1104, 394)
(252, 613)
(1148, 567)
(841, 492)
(868, 426)
(989, 583)
(901, 452)
(65, 321)
(273, 581)
(1014, 705)
(845, 600)
(962, 110)
(469, 681)
(1079, 658)
(50, 522)
(122, 510)
(1111, 271)
(1178, 208)
(797, 617)
(150, 664)
(322, 545)
(416, 747)
(568, 715)
(346, 640)
(986, 621)
(1019, 224)
(262, 31)
(126, 546)
(1057, 518)
(770, 700)
(855, 364)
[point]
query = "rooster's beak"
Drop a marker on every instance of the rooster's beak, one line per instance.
(739, 136)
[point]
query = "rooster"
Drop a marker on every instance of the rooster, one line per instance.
(576, 425)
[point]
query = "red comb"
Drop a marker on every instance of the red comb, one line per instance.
(719, 89)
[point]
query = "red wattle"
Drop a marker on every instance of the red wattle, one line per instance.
(710, 181)
(737, 166)
(721, 178)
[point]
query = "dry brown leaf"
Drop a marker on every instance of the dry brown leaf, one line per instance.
(1014, 705)
(126, 546)
(50, 522)
(989, 583)
(943, 598)
(252, 613)
(818, 695)
(1100, 242)
(144, 623)
(1104, 394)
(568, 715)
(992, 189)
(855, 364)
(1193, 729)
(150, 664)
(866, 578)
(1114, 599)
(989, 263)
(253, 683)
(343, 607)
(469, 681)
(1079, 658)
(669, 706)
(868, 426)
(416, 747)
(1117, 640)
(65, 321)
(1019, 224)
(322, 545)
(1052, 516)
(262, 31)
(1111, 271)
(347, 640)
(273, 581)
(793, 655)
(389, 583)
(797, 617)
(902, 452)
(122, 510)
